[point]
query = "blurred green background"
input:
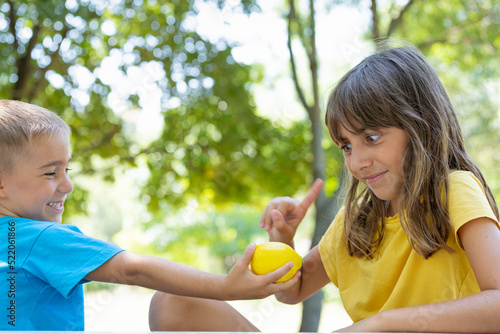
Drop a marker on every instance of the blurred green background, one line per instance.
(189, 116)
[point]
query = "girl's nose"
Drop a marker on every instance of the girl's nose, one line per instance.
(359, 160)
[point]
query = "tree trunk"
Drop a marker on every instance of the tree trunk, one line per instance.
(311, 312)
(326, 209)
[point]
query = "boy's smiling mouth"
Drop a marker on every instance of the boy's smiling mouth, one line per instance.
(56, 205)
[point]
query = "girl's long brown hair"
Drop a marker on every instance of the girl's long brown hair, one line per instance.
(397, 88)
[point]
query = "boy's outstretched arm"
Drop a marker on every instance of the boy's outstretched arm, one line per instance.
(175, 278)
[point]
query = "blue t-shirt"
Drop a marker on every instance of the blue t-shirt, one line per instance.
(42, 266)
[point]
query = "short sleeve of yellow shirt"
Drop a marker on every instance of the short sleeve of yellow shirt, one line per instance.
(399, 277)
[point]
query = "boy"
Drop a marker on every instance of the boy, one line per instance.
(44, 264)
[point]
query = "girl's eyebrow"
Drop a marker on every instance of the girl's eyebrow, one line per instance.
(342, 139)
(354, 132)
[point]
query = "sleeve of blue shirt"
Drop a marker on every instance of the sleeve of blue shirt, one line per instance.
(62, 256)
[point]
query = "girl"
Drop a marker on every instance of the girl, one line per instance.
(415, 247)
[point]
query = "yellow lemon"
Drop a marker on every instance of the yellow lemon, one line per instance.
(270, 256)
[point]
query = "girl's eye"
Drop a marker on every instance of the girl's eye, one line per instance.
(372, 138)
(67, 169)
(346, 148)
(50, 174)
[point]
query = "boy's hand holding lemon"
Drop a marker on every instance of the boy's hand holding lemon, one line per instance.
(254, 275)
(270, 256)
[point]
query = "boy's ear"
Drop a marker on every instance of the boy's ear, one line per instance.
(3, 192)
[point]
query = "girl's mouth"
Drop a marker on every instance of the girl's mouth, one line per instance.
(374, 178)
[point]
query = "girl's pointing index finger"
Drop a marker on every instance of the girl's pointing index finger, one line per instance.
(312, 194)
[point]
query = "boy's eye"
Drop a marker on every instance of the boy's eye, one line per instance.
(50, 174)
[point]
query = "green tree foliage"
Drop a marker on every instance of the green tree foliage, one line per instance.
(213, 147)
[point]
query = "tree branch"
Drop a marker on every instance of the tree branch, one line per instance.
(12, 25)
(375, 21)
(24, 65)
(300, 93)
(16, 94)
(313, 61)
(36, 87)
(309, 44)
(395, 22)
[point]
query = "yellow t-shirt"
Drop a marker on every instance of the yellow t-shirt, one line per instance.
(397, 276)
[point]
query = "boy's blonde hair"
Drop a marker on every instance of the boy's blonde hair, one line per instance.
(20, 124)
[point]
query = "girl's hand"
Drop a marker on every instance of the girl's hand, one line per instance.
(241, 283)
(370, 324)
(283, 215)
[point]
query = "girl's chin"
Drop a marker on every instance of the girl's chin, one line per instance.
(381, 196)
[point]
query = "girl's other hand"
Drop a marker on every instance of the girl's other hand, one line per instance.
(282, 215)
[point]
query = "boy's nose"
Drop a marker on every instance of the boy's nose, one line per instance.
(66, 186)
